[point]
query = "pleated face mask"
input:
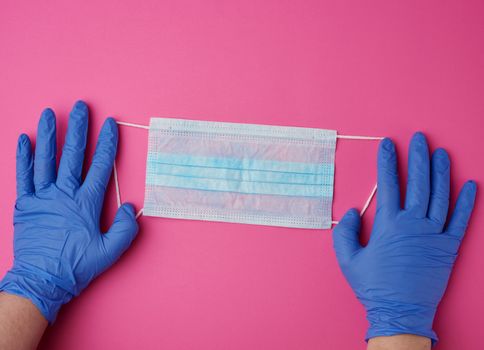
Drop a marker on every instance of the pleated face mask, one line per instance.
(243, 173)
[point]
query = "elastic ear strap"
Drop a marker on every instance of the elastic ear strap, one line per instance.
(367, 204)
(115, 169)
(116, 183)
(368, 201)
(373, 191)
(133, 125)
(355, 137)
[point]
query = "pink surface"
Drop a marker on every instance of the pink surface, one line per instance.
(369, 68)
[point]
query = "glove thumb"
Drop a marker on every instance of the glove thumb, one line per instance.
(122, 232)
(346, 236)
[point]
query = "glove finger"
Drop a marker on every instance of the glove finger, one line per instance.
(388, 194)
(462, 211)
(45, 151)
(25, 163)
(102, 163)
(70, 166)
(121, 233)
(346, 236)
(440, 187)
(418, 183)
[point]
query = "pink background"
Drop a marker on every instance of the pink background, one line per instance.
(361, 67)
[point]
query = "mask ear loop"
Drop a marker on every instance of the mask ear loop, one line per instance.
(115, 170)
(116, 183)
(373, 191)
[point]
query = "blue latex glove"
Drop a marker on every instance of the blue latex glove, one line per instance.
(401, 275)
(58, 245)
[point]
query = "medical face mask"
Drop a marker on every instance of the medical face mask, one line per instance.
(243, 173)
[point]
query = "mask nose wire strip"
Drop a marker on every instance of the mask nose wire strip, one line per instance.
(146, 127)
(115, 169)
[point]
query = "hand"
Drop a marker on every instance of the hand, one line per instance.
(401, 275)
(58, 245)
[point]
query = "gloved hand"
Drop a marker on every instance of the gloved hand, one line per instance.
(58, 245)
(401, 275)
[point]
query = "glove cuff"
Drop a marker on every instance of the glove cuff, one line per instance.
(45, 295)
(395, 318)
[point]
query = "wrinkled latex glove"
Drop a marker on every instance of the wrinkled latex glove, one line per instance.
(401, 275)
(58, 245)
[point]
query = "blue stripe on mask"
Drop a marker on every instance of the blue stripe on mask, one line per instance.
(249, 176)
(237, 163)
